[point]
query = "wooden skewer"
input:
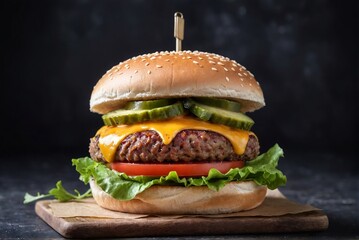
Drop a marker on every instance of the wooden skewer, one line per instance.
(179, 30)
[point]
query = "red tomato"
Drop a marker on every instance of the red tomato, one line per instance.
(182, 169)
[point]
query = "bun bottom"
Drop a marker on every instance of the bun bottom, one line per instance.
(233, 197)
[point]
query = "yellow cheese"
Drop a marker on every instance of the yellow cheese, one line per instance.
(111, 136)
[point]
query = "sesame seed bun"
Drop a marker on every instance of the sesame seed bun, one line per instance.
(176, 74)
(233, 197)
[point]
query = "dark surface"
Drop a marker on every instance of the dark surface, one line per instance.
(333, 188)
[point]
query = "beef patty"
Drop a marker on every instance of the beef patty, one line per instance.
(187, 146)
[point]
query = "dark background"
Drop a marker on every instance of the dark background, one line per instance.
(304, 54)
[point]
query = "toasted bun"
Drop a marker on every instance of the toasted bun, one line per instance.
(176, 74)
(234, 197)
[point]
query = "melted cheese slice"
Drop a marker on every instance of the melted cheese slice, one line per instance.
(111, 136)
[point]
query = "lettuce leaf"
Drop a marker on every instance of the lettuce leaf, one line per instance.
(262, 170)
(58, 192)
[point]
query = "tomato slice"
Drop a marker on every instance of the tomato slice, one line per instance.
(182, 169)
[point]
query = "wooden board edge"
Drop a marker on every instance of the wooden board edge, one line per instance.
(60, 225)
(200, 226)
(81, 227)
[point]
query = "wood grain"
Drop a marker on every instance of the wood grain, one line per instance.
(88, 227)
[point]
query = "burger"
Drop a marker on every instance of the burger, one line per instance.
(176, 138)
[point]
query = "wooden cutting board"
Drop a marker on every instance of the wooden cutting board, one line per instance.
(91, 227)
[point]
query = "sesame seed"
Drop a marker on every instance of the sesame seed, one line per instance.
(120, 73)
(214, 69)
(189, 57)
(225, 69)
(195, 62)
(239, 74)
(251, 74)
(201, 66)
(127, 66)
(258, 83)
(136, 71)
(241, 85)
(220, 63)
(149, 71)
(167, 60)
(250, 84)
(245, 74)
(147, 63)
(211, 62)
(233, 69)
(152, 58)
(234, 65)
(158, 66)
(227, 79)
(242, 79)
(200, 58)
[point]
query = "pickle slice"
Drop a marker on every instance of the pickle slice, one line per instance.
(219, 116)
(123, 116)
(220, 103)
(149, 104)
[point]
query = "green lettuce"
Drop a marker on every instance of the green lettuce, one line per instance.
(58, 192)
(262, 170)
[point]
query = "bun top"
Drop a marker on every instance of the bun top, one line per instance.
(175, 75)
